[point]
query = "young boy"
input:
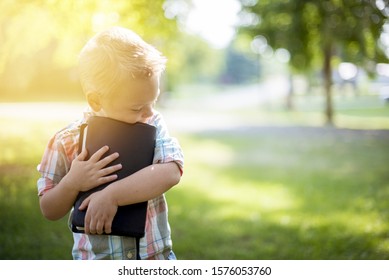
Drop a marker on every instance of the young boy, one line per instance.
(119, 74)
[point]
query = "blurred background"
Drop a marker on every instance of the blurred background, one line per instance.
(281, 107)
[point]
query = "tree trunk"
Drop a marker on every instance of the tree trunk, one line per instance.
(327, 75)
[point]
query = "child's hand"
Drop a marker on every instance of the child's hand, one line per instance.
(100, 213)
(85, 175)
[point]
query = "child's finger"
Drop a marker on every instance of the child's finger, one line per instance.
(111, 169)
(107, 227)
(107, 179)
(108, 159)
(82, 156)
(97, 155)
(99, 227)
(84, 204)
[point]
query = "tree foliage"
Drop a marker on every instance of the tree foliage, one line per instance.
(42, 38)
(314, 32)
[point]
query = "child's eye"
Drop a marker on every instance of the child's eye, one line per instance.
(136, 110)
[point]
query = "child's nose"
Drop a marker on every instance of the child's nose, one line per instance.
(148, 112)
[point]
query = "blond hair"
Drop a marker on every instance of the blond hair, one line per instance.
(114, 55)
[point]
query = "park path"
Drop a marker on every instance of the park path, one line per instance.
(192, 113)
(222, 111)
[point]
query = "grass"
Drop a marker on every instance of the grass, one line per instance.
(250, 192)
(24, 233)
(283, 193)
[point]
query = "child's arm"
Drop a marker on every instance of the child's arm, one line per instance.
(146, 184)
(82, 176)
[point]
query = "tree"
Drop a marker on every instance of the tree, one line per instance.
(240, 66)
(315, 32)
(40, 39)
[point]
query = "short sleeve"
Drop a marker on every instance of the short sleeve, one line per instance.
(167, 148)
(56, 161)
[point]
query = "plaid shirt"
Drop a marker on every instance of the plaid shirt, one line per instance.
(156, 244)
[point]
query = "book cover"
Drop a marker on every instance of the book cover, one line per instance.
(135, 144)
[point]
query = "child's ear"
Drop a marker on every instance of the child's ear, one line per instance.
(94, 101)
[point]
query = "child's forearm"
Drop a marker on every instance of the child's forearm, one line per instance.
(82, 176)
(58, 201)
(145, 184)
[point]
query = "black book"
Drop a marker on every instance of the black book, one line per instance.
(135, 144)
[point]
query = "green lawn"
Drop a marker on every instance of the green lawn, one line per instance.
(253, 192)
(283, 193)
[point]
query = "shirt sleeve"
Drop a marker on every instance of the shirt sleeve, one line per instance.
(167, 148)
(55, 164)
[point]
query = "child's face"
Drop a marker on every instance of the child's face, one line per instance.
(133, 102)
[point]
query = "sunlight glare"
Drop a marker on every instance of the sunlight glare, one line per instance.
(42, 111)
(102, 20)
(213, 23)
(383, 69)
(347, 71)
